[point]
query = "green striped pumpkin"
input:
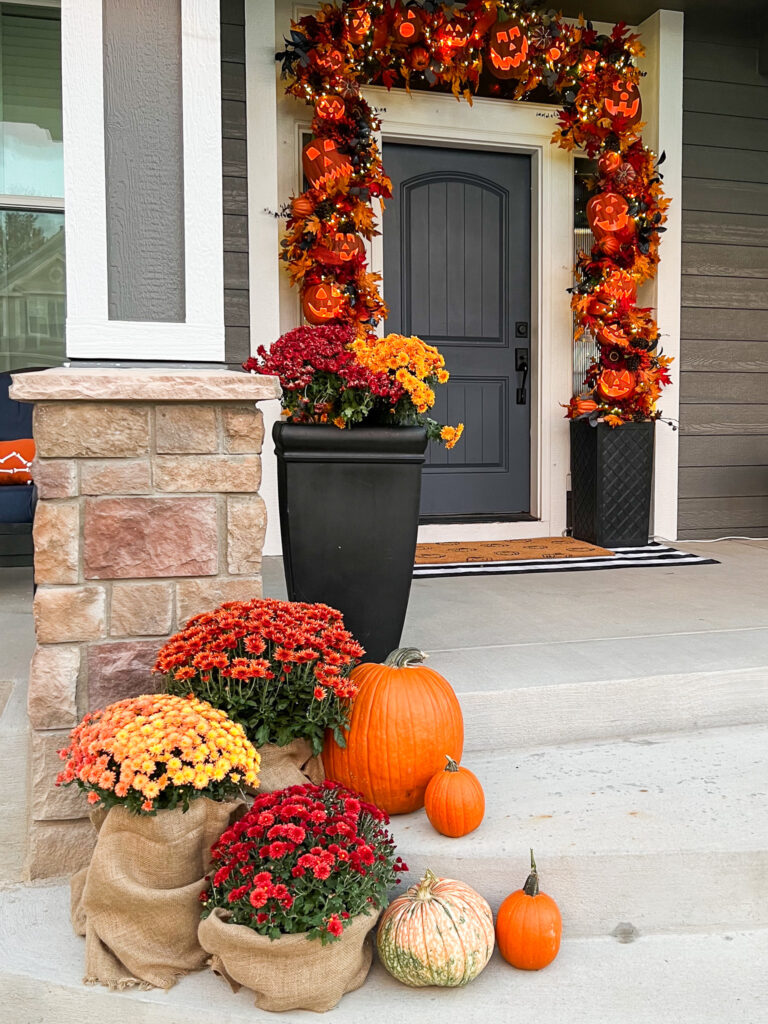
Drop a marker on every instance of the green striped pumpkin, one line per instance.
(439, 932)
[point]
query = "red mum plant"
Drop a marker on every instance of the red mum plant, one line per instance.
(304, 859)
(279, 668)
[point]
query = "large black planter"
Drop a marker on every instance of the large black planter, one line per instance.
(611, 477)
(349, 513)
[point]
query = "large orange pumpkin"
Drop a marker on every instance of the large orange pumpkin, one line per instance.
(454, 801)
(507, 54)
(404, 720)
(616, 384)
(323, 163)
(529, 926)
(322, 302)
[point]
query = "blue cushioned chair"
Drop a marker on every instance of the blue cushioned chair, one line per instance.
(17, 501)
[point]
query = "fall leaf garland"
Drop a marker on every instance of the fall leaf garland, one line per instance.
(331, 54)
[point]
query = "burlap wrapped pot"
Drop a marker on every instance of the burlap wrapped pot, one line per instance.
(138, 901)
(289, 973)
(291, 765)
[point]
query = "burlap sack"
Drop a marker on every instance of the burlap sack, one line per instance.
(137, 903)
(289, 973)
(291, 765)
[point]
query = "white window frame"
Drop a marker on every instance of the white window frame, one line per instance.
(90, 332)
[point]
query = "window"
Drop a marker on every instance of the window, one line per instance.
(32, 283)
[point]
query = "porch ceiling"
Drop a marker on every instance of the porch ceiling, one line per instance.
(635, 11)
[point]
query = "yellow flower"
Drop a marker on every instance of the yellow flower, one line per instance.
(451, 435)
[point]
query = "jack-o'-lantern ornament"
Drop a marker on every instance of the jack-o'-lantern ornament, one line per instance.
(451, 39)
(322, 302)
(358, 24)
(588, 61)
(419, 58)
(609, 163)
(322, 162)
(342, 247)
(612, 334)
(616, 385)
(622, 102)
(616, 286)
(330, 108)
(408, 26)
(507, 53)
(608, 214)
(302, 207)
(327, 61)
(610, 245)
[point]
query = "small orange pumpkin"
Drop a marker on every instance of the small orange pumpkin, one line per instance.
(582, 405)
(529, 926)
(330, 108)
(327, 60)
(609, 163)
(616, 384)
(607, 214)
(454, 800)
(404, 718)
(507, 54)
(612, 334)
(340, 248)
(358, 24)
(623, 102)
(408, 26)
(322, 302)
(301, 206)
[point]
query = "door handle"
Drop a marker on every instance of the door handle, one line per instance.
(521, 366)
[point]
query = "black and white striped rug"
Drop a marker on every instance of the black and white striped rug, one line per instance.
(650, 556)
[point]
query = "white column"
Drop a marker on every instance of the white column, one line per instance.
(662, 92)
(263, 229)
(90, 332)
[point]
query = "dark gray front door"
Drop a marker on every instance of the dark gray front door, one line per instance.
(457, 257)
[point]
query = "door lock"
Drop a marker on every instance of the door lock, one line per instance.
(521, 366)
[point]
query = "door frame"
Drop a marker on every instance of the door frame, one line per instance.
(436, 119)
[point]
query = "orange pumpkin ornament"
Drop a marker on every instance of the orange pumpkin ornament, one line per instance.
(583, 405)
(323, 163)
(358, 24)
(302, 207)
(612, 334)
(454, 800)
(507, 54)
(404, 719)
(327, 61)
(609, 163)
(622, 102)
(322, 302)
(529, 926)
(408, 26)
(330, 108)
(608, 214)
(616, 384)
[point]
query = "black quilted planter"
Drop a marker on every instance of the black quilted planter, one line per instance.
(349, 514)
(611, 478)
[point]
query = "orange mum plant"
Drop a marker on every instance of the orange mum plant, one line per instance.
(157, 752)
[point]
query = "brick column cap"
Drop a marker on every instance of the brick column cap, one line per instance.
(142, 384)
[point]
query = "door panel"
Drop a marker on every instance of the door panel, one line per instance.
(457, 274)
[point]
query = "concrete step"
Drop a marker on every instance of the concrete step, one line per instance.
(658, 979)
(498, 714)
(666, 832)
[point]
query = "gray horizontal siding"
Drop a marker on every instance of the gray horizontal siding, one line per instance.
(723, 485)
(235, 182)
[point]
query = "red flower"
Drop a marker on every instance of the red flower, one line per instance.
(334, 925)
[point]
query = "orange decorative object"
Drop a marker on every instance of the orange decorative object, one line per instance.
(454, 800)
(451, 39)
(582, 405)
(358, 24)
(16, 461)
(529, 926)
(404, 719)
(323, 163)
(617, 285)
(327, 61)
(408, 26)
(419, 58)
(609, 163)
(610, 245)
(507, 55)
(343, 247)
(612, 334)
(301, 206)
(322, 302)
(616, 384)
(608, 214)
(330, 108)
(623, 101)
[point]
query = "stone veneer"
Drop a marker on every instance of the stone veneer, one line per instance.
(149, 513)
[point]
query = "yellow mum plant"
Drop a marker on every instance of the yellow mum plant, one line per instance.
(157, 752)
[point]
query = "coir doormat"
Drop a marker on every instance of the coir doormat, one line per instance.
(546, 554)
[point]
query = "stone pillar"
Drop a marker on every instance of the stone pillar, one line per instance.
(149, 513)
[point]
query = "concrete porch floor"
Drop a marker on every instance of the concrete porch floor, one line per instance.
(500, 632)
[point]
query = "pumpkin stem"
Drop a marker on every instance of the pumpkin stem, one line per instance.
(403, 657)
(451, 766)
(424, 888)
(531, 887)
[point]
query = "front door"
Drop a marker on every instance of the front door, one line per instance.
(457, 258)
